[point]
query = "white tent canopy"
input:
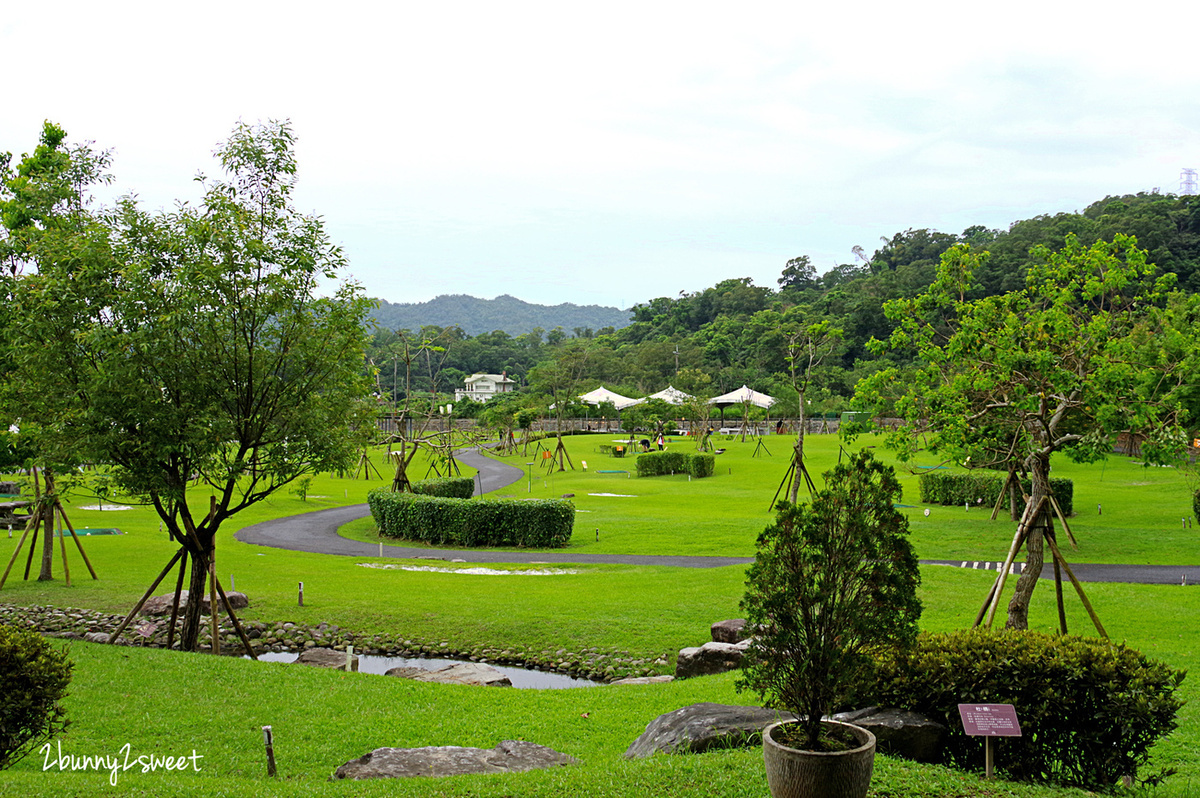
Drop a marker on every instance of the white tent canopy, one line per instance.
(671, 395)
(602, 394)
(743, 394)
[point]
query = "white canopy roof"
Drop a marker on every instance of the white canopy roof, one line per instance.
(671, 395)
(743, 394)
(602, 394)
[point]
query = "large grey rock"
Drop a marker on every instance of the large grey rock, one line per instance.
(161, 605)
(701, 727)
(326, 658)
(731, 631)
(457, 673)
(900, 732)
(709, 658)
(510, 756)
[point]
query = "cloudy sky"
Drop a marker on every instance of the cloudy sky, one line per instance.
(615, 152)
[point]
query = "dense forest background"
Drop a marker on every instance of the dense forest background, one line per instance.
(733, 333)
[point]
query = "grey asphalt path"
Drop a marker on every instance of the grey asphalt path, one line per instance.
(317, 532)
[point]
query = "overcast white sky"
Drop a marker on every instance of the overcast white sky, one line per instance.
(615, 152)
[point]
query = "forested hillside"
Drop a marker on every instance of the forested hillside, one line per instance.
(712, 341)
(505, 313)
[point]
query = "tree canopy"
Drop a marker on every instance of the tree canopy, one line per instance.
(188, 345)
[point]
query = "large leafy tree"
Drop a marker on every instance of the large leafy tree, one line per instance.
(191, 351)
(1066, 364)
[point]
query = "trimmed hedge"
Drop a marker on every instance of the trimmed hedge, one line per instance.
(472, 522)
(657, 464)
(446, 487)
(959, 489)
(1089, 709)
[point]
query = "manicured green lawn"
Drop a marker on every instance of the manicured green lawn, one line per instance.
(168, 703)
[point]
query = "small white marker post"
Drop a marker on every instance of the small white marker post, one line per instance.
(301, 594)
(988, 721)
(232, 586)
(269, 742)
(349, 656)
(381, 548)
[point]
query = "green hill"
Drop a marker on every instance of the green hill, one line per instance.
(505, 312)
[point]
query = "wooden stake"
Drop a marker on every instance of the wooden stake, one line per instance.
(175, 601)
(236, 623)
(121, 628)
(1087, 605)
(79, 545)
(269, 742)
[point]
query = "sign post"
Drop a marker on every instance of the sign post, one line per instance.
(988, 721)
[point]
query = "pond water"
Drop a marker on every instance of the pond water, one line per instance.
(521, 678)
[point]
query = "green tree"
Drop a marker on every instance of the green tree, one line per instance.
(192, 346)
(832, 582)
(1064, 365)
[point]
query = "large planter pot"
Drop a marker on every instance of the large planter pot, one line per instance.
(794, 773)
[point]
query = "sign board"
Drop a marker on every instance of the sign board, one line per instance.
(989, 720)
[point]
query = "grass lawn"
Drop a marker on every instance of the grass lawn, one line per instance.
(171, 704)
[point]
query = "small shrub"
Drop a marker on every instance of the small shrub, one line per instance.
(475, 522)
(958, 489)
(701, 465)
(33, 680)
(446, 487)
(1089, 709)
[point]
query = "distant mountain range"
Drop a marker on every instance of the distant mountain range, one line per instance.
(505, 312)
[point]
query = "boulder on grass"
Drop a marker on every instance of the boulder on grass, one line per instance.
(731, 631)
(709, 658)
(702, 727)
(161, 605)
(510, 756)
(899, 732)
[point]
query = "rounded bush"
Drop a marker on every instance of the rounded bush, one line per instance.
(33, 680)
(1089, 709)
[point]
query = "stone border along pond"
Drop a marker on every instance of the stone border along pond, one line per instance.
(280, 636)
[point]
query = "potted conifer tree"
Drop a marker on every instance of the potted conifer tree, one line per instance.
(833, 580)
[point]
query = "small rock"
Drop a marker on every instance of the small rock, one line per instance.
(327, 658)
(645, 680)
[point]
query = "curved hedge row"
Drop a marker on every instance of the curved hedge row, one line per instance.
(657, 464)
(956, 488)
(1089, 709)
(539, 524)
(446, 487)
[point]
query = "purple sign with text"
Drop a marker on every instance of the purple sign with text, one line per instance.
(989, 720)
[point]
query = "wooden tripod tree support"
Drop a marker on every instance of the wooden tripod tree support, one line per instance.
(181, 557)
(404, 457)
(1030, 519)
(43, 514)
(560, 457)
(785, 487)
(365, 466)
(1014, 481)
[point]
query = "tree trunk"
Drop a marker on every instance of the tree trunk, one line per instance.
(189, 636)
(1018, 607)
(47, 572)
(797, 458)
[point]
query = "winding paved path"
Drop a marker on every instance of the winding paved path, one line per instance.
(317, 532)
